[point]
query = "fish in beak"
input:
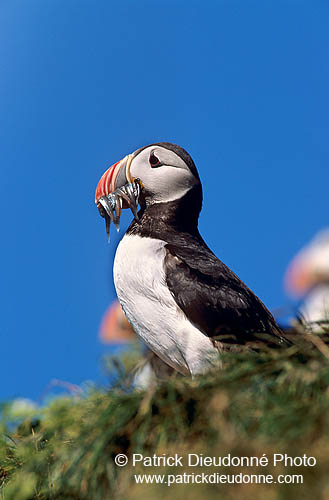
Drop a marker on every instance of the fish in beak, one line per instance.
(117, 190)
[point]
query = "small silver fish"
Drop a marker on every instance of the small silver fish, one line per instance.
(110, 206)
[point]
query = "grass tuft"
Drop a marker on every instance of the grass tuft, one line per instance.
(269, 402)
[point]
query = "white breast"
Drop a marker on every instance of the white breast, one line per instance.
(315, 309)
(140, 283)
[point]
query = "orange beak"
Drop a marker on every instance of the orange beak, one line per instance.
(117, 190)
(116, 176)
(299, 277)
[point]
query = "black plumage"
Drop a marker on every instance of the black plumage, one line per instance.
(212, 297)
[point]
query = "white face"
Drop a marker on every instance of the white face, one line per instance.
(168, 179)
(316, 255)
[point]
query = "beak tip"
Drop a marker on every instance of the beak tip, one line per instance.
(106, 183)
(115, 191)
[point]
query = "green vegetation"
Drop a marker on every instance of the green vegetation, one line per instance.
(260, 403)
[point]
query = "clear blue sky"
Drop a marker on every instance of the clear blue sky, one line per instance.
(242, 85)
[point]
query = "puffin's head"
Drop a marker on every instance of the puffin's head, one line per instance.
(310, 267)
(163, 171)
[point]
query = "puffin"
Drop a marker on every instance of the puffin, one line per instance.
(186, 304)
(307, 278)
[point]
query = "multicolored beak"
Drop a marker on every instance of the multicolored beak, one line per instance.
(115, 177)
(299, 277)
(117, 190)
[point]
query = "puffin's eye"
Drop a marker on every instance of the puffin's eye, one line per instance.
(154, 160)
